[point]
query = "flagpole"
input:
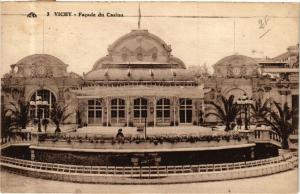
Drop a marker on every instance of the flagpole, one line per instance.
(139, 21)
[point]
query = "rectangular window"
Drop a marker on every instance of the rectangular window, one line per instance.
(91, 113)
(91, 102)
(114, 114)
(121, 113)
(144, 113)
(166, 113)
(136, 113)
(159, 113)
(98, 113)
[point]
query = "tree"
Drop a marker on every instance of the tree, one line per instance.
(260, 110)
(280, 122)
(20, 113)
(226, 110)
(58, 115)
(8, 123)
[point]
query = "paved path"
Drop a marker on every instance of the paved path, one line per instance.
(286, 182)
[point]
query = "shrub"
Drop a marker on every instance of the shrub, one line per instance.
(227, 138)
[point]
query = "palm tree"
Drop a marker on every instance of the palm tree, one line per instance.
(20, 113)
(280, 122)
(58, 115)
(8, 123)
(260, 110)
(226, 110)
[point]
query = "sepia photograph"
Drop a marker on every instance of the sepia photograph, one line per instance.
(149, 97)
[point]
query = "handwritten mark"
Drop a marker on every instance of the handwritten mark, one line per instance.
(31, 15)
(261, 36)
(263, 22)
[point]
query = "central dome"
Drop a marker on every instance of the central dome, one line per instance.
(40, 59)
(139, 49)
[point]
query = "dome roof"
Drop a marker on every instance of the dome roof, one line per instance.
(138, 47)
(41, 59)
(139, 74)
(236, 60)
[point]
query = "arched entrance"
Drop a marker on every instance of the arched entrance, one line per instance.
(41, 103)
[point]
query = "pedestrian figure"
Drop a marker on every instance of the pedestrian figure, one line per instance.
(120, 134)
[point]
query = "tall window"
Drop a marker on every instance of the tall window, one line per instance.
(163, 110)
(140, 108)
(94, 111)
(41, 103)
(186, 109)
(117, 109)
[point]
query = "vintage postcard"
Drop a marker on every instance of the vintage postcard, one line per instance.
(149, 97)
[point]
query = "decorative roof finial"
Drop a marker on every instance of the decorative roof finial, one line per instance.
(139, 21)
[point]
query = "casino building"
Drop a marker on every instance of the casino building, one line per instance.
(140, 82)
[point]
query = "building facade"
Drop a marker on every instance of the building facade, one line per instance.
(140, 82)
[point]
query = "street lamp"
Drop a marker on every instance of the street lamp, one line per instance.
(39, 104)
(244, 103)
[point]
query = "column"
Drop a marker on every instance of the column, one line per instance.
(32, 155)
(195, 111)
(87, 112)
(174, 110)
(107, 111)
(127, 111)
(154, 113)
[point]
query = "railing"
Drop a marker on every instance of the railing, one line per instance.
(256, 136)
(20, 137)
(141, 171)
(264, 135)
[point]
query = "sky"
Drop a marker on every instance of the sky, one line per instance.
(199, 33)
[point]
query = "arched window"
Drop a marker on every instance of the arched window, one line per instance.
(140, 108)
(117, 109)
(94, 111)
(163, 110)
(41, 103)
(186, 109)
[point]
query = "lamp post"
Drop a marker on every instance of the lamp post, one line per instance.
(239, 102)
(244, 103)
(39, 104)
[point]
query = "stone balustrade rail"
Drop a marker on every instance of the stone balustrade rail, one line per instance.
(141, 171)
(150, 174)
